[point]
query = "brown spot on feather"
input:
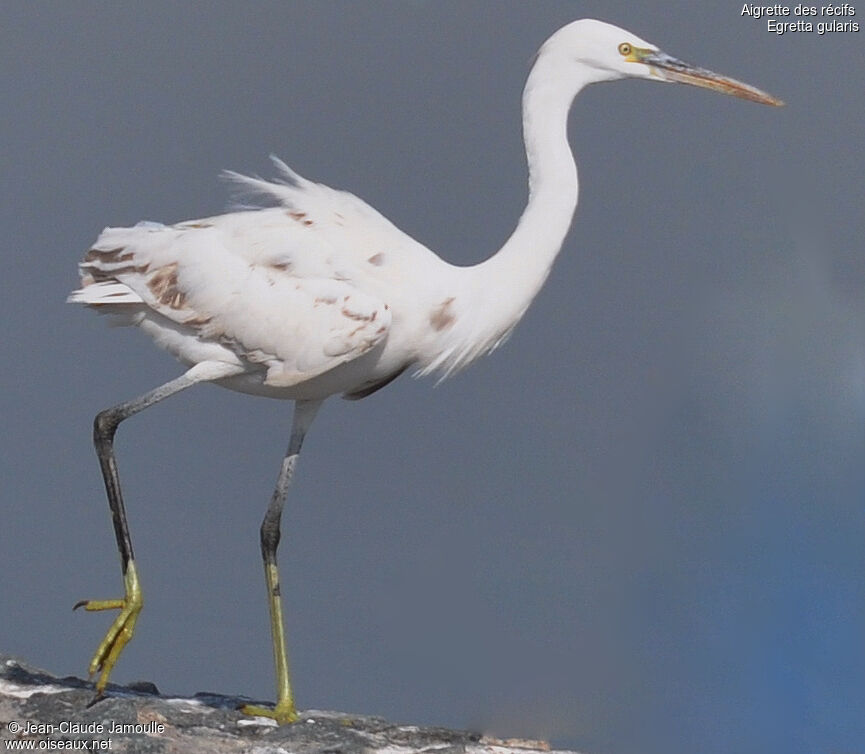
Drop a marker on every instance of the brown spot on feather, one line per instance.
(442, 316)
(109, 264)
(163, 285)
(376, 259)
(107, 255)
(300, 217)
(356, 316)
(113, 273)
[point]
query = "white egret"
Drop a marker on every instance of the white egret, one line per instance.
(321, 295)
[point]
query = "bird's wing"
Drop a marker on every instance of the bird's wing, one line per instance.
(254, 281)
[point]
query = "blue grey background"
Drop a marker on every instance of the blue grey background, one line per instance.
(637, 527)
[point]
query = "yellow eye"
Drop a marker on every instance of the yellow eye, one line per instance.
(625, 49)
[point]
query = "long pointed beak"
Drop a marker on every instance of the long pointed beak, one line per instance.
(672, 69)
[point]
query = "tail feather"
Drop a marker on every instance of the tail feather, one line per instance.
(107, 292)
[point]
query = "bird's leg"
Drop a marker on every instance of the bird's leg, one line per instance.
(284, 711)
(104, 427)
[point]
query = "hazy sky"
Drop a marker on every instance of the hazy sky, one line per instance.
(637, 527)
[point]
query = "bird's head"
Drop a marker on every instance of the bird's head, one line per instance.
(603, 52)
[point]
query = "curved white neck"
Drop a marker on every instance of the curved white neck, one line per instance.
(491, 297)
(503, 286)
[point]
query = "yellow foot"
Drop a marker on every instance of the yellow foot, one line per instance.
(283, 712)
(121, 630)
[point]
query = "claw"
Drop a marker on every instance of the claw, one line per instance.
(92, 605)
(119, 633)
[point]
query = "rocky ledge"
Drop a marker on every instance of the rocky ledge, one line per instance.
(41, 712)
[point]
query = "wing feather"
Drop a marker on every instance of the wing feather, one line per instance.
(245, 280)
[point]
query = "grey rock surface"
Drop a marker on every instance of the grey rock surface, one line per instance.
(57, 714)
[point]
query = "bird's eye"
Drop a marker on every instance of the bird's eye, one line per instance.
(625, 49)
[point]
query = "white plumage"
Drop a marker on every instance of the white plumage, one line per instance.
(288, 293)
(321, 295)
